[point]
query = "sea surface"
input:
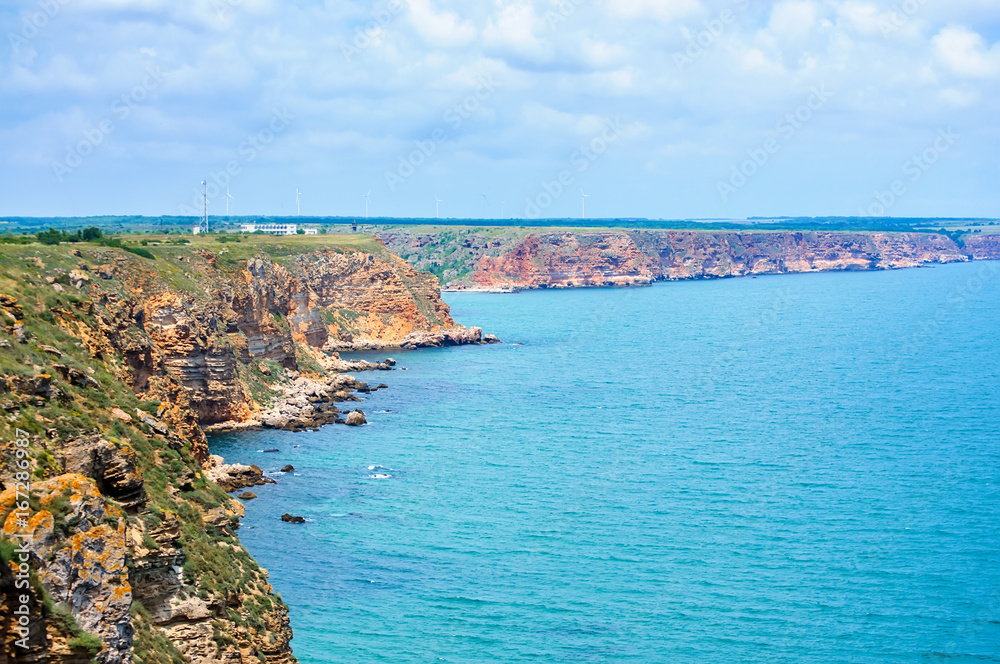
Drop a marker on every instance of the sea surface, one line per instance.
(800, 468)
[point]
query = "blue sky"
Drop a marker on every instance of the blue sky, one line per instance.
(654, 108)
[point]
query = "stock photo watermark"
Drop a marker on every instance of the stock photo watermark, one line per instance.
(21, 559)
(564, 10)
(785, 129)
(582, 159)
(899, 16)
(35, 22)
(699, 43)
(914, 169)
(454, 117)
(248, 150)
(367, 35)
(94, 136)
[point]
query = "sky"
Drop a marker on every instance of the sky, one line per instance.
(652, 108)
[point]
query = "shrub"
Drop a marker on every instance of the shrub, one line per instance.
(87, 642)
(139, 251)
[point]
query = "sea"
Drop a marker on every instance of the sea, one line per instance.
(793, 468)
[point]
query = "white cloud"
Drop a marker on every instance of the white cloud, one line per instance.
(558, 80)
(964, 53)
(512, 33)
(440, 29)
(793, 19)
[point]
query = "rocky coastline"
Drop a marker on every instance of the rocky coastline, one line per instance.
(114, 366)
(502, 260)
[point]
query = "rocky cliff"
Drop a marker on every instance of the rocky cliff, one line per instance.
(983, 247)
(111, 364)
(516, 258)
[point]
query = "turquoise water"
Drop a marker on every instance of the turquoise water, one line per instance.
(798, 468)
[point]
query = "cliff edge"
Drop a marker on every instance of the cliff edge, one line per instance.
(118, 544)
(516, 258)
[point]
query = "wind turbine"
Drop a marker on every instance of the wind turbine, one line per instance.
(368, 200)
(204, 195)
(583, 198)
(437, 207)
(228, 197)
(298, 207)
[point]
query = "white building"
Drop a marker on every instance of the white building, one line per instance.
(196, 230)
(312, 231)
(270, 229)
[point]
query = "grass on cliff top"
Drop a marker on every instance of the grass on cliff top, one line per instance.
(275, 246)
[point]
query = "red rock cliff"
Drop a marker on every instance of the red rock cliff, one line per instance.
(633, 258)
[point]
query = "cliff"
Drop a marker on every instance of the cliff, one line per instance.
(111, 364)
(983, 247)
(516, 258)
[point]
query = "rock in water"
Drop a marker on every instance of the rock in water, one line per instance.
(247, 495)
(356, 418)
(288, 469)
(288, 518)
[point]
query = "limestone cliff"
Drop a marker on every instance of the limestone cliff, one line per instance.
(983, 247)
(516, 258)
(110, 365)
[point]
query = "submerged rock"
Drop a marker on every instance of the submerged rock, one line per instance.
(288, 518)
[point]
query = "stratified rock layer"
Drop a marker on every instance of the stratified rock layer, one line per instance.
(563, 260)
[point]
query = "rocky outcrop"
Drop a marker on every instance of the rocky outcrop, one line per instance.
(113, 467)
(77, 544)
(356, 418)
(459, 336)
(235, 476)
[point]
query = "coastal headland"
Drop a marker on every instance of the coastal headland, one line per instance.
(118, 532)
(501, 259)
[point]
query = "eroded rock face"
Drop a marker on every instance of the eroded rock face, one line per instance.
(569, 260)
(198, 342)
(563, 260)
